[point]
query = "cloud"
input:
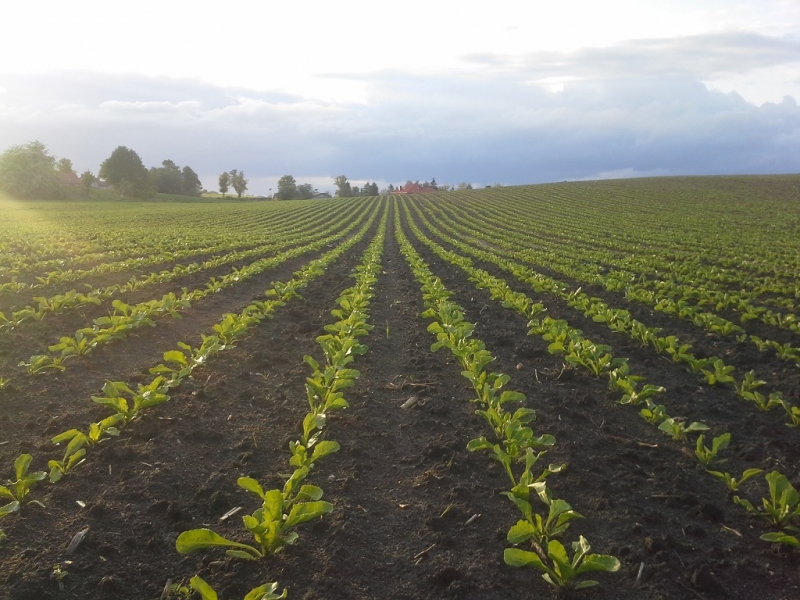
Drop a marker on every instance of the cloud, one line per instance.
(636, 108)
(698, 56)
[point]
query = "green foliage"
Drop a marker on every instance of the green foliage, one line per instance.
(558, 569)
(287, 188)
(678, 430)
(28, 171)
(267, 591)
(731, 482)
(126, 172)
(783, 505)
(17, 490)
(706, 455)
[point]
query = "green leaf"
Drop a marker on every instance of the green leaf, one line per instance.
(309, 492)
(9, 508)
(514, 557)
(324, 449)
(307, 511)
(251, 485)
(521, 532)
(200, 539)
(201, 587)
(266, 592)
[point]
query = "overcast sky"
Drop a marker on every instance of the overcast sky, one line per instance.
(503, 91)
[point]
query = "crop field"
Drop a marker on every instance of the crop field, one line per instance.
(508, 393)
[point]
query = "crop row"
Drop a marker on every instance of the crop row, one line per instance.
(781, 509)
(128, 404)
(712, 370)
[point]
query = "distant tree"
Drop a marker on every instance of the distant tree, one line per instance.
(238, 182)
(192, 186)
(64, 165)
(464, 186)
(370, 189)
(305, 191)
(167, 179)
(125, 171)
(390, 188)
(343, 188)
(224, 183)
(87, 179)
(433, 184)
(287, 188)
(28, 171)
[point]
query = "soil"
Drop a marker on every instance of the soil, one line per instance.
(416, 515)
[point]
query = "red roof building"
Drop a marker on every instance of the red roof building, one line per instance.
(415, 188)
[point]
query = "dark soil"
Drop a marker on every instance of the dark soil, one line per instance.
(416, 515)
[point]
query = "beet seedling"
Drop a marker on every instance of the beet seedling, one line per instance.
(18, 490)
(561, 571)
(678, 430)
(783, 504)
(263, 592)
(706, 455)
(731, 482)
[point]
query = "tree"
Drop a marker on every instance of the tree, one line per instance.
(305, 191)
(192, 185)
(167, 179)
(125, 171)
(64, 165)
(224, 183)
(433, 183)
(343, 189)
(238, 182)
(87, 179)
(370, 189)
(464, 186)
(287, 188)
(28, 171)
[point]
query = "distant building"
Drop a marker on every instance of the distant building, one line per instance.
(68, 178)
(415, 188)
(321, 195)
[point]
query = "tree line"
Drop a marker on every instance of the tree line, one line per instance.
(30, 171)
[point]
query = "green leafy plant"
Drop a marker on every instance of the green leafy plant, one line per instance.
(41, 363)
(731, 482)
(654, 413)
(783, 504)
(678, 430)
(267, 591)
(18, 490)
(721, 372)
(272, 524)
(704, 454)
(146, 396)
(559, 569)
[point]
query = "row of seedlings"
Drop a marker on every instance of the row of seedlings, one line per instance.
(274, 522)
(282, 236)
(514, 445)
(127, 318)
(781, 509)
(128, 405)
(713, 369)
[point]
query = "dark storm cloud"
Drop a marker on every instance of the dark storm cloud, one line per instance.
(635, 108)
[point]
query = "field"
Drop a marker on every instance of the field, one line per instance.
(476, 361)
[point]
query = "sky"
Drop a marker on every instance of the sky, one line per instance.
(503, 91)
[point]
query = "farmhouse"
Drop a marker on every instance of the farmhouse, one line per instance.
(415, 188)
